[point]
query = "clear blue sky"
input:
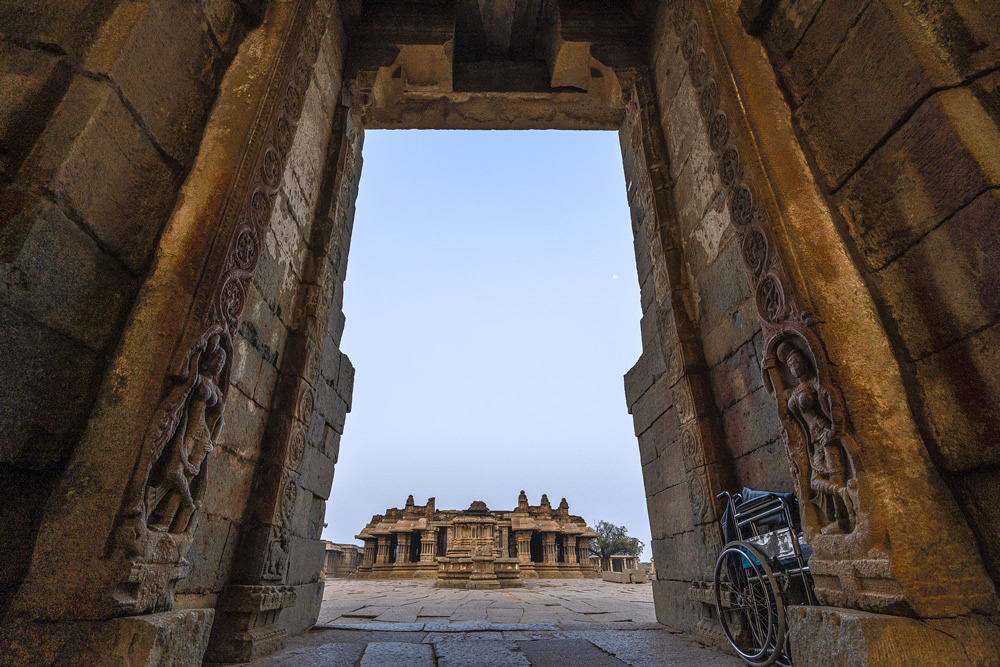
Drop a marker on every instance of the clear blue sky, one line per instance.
(492, 309)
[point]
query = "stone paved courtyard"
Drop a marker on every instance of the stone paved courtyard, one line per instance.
(548, 622)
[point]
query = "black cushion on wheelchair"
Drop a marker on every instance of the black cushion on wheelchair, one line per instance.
(749, 494)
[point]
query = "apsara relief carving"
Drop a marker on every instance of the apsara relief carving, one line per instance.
(819, 442)
(190, 418)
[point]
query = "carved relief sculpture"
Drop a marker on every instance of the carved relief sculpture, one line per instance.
(184, 429)
(277, 555)
(832, 477)
(192, 423)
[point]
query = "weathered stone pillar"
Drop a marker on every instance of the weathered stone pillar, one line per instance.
(569, 548)
(428, 545)
(382, 554)
(370, 548)
(281, 551)
(672, 373)
(583, 549)
(549, 548)
(504, 542)
(875, 512)
(402, 548)
(523, 546)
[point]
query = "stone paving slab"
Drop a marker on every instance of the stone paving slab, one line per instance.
(399, 615)
(654, 648)
(492, 653)
(562, 652)
(327, 655)
(522, 635)
(403, 654)
(444, 610)
(375, 627)
(399, 636)
(367, 612)
(437, 637)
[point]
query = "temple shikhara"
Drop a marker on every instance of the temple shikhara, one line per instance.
(477, 547)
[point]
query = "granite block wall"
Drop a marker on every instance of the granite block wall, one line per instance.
(913, 175)
(102, 111)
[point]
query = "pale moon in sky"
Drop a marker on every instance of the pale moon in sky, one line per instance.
(614, 276)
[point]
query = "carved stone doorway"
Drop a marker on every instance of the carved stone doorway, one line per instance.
(196, 494)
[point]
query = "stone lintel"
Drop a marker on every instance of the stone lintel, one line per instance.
(481, 111)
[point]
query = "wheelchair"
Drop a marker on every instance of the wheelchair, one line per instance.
(762, 569)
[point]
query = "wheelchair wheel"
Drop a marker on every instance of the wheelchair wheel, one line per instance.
(749, 604)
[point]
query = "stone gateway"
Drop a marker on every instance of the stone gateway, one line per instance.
(814, 189)
(477, 547)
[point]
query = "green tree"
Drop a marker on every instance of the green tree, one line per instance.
(612, 540)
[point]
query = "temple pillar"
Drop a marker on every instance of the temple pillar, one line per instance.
(549, 548)
(583, 555)
(131, 528)
(402, 548)
(523, 546)
(504, 548)
(382, 554)
(369, 558)
(570, 549)
(428, 545)
(427, 564)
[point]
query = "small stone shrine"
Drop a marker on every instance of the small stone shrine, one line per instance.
(477, 547)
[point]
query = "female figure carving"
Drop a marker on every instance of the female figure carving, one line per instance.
(198, 402)
(831, 477)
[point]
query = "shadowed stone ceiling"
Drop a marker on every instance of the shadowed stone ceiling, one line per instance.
(555, 59)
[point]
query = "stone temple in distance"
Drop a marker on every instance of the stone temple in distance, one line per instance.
(477, 548)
